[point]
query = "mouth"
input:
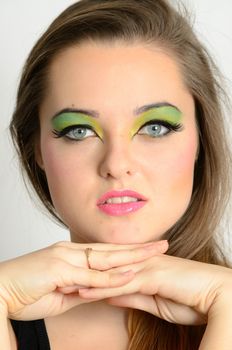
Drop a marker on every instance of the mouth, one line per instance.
(123, 202)
(118, 200)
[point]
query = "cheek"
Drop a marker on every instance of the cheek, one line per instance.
(64, 171)
(174, 170)
(63, 161)
(56, 173)
(182, 172)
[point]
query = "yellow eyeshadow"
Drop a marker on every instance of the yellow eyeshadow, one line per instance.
(63, 120)
(167, 113)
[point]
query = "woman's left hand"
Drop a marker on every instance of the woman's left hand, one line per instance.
(178, 290)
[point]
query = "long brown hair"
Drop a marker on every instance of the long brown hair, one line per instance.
(154, 22)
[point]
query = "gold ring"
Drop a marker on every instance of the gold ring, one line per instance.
(87, 253)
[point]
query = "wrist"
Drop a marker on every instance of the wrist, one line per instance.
(218, 331)
(3, 308)
(7, 338)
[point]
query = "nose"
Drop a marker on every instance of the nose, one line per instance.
(117, 161)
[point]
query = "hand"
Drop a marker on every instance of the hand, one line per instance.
(175, 289)
(41, 284)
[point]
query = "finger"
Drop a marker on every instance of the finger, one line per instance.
(175, 312)
(133, 301)
(93, 278)
(71, 300)
(119, 270)
(70, 289)
(99, 246)
(104, 260)
(159, 307)
(103, 293)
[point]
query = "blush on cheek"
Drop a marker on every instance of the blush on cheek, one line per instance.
(183, 169)
(55, 168)
(57, 160)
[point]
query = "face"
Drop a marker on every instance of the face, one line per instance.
(118, 142)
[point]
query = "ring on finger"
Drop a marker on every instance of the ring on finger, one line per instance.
(87, 254)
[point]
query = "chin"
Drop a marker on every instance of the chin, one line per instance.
(115, 233)
(132, 237)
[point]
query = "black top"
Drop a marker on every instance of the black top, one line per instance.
(31, 335)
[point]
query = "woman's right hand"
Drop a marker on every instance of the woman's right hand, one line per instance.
(46, 282)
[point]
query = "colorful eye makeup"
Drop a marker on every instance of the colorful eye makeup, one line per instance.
(167, 116)
(68, 121)
(155, 122)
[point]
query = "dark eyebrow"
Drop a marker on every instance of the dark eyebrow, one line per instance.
(91, 112)
(145, 108)
(96, 114)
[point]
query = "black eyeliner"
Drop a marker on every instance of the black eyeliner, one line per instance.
(63, 132)
(169, 126)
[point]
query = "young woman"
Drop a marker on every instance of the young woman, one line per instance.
(119, 127)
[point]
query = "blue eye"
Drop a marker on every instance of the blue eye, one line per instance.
(79, 133)
(158, 128)
(75, 132)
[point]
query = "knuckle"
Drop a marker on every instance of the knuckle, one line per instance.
(58, 249)
(112, 279)
(93, 278)
(107, 255)
(105, 262)
(60, 244)
(136, 255)
(99, 279)
(109, 279)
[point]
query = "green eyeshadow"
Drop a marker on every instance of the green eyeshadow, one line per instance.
(165, 113)
(168, 114)
(63, 120)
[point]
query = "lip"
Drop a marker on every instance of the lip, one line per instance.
(119, 209)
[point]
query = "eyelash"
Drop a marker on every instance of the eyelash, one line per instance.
(169, 126)
(63, 132)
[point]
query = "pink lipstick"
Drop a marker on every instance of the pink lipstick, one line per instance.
(123, 202)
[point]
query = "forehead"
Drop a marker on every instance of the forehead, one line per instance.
(113, 74)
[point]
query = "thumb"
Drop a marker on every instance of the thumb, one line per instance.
(165, 309)
(134, 301)
(71, 300)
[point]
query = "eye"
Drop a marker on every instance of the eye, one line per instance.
(158, 128)
(76, 132)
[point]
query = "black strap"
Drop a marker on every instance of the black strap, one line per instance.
(31, 335)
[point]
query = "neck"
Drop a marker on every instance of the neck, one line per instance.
(98, 313)
(91, 323)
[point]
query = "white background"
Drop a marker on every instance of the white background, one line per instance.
(23, 227)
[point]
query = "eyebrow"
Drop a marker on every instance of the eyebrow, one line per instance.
(137, 111)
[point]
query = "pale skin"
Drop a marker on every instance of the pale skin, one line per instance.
(115, 80)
